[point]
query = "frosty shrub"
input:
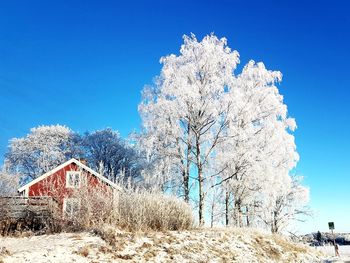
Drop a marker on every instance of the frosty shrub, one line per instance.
(93, 208)
(131, 210)
(9, 183)
(152, 211)
(86, 207)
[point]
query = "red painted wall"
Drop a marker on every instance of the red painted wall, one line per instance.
(55, 184)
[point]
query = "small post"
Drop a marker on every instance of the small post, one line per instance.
(331, 227)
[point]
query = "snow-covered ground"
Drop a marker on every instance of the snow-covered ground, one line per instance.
(63, 248)
(235, 245)
(344, 252)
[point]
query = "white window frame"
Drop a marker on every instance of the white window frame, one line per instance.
(71, 213)
(70, 173)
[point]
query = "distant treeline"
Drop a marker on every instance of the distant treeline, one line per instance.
(323, 238)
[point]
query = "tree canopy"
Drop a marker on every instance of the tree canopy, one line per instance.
(205, 126)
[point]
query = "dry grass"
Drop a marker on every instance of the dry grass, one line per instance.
(105, 250)
(4, 251)
(151, 211)
(131, 211)
(149, 255)
(197, 245)
(83, 251)
(265, 247)
(125, 257)
(205, 245)
(77, 237)
(290, 246)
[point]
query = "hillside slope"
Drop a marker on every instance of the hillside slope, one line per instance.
(219, 245)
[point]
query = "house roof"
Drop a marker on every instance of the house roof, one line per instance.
(83, 166)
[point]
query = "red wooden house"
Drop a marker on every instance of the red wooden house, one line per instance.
(63, 182)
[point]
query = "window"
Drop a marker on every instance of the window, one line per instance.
(71, 206)
(73, 179)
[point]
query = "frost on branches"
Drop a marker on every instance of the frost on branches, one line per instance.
(110, 155)
(9, 183)
(205, 127)
(44, 148)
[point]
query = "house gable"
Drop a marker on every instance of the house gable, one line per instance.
(58, 176)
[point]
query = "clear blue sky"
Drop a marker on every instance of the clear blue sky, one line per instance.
(84, 63)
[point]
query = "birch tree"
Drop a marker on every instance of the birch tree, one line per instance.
(191, 88)
(162, 145)
(203, 123)
(286, 203)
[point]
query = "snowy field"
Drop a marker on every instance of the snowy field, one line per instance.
(204, 245)
(60, 248)
(344, 252)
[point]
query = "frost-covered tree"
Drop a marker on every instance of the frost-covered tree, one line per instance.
(215, 200)
(161, 144)
(189, 110)
(258, 138)
(109, 154)
(202, 123)
(9, 183)
(285, 203)
(44, 148)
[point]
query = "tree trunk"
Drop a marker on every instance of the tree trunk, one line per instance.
(201, 196)
(200, 183)
(227, 199)
(237, 209)
(247, 216)
(187, 170)
(212, 214)
(186, 186)
(274, 227)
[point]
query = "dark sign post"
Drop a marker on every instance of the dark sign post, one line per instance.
(331, 227)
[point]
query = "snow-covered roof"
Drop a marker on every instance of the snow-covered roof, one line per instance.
(83, 166)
